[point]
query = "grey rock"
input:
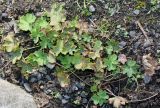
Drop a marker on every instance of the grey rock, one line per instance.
(27, 87)
(92, 8)
(84, 101)
(39, 76)
(122, 44)
(43, 70)
(74, 88)
(50, 66)
(147, 43)
(66, 97)
(132, 33)
(33, 80)
(136, 12)
(48, 78)
(64, 101)
(13, 96)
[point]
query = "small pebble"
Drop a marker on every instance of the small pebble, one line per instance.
(74, 88)
(27, 87)
(50, 66)
(92, 8)
(43, 70)
(48, 78)
(33, 80)
(122, 44)
(132, 33)
(4, 14)
(136, 12)
(64, 101)
(66, 97)
(84, 101)
(39, 76)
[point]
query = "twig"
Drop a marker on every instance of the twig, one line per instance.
(88, 103)
(110, 92)
(31, 48)
(92, 22)
(78, 4)
(141, 28)
(133, 101)
(84, 4)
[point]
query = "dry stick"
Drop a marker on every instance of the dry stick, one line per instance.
(141, 28)
(133, 101)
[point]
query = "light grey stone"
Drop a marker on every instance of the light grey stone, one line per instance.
(13, 96)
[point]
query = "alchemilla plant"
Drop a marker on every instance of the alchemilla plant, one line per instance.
(68, 45)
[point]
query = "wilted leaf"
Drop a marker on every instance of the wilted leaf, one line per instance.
(149, 64)
(83, 27)
(69, 48)
(63, 77)
(51, 57)
(16, 55)
(57, 16)
(122, 58)
(117, 101)
(99, 65)
(10, 43)
(58, 48)
(94, 55)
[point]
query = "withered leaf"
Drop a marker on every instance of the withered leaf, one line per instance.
(83, 27)
(117, 101)
(150, 64)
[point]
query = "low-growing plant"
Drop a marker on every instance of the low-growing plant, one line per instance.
(68, 46)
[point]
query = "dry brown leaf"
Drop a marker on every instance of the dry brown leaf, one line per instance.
(83, 27)
(41, 99)
(117, 101)
(149, 64)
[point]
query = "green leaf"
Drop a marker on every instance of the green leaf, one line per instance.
(95, 99)
(97, 46)
(86, 38)
(114, 44)
(36, 34)
(109, 49)
(94, 88)
(131, 68)
(41, 23)
(25, 22)
(111, 62)
(65, 60)
(100, 97)
(45, 42)
(40, 58)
